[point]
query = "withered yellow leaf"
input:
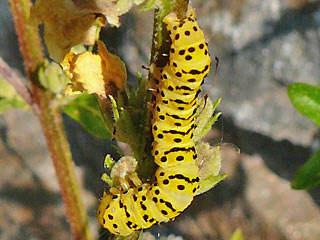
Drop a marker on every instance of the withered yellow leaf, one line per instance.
(103, 73)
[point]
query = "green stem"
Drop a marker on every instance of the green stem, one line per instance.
(51, 121)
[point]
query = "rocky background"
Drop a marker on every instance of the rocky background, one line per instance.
(262, 47)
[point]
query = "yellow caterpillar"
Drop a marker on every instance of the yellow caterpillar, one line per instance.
(173, 122)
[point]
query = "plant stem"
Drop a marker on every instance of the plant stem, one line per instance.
(51, 120)
(62, 160)
(181, 8)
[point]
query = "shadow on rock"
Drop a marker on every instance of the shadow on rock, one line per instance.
(282, 157)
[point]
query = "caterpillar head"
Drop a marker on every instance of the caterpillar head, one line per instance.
(183, 31)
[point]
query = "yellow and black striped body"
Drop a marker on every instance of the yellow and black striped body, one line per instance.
(174, 104)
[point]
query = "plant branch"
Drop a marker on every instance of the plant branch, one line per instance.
(51, 120)
(181, 8)
(28, 36)
(52, 124)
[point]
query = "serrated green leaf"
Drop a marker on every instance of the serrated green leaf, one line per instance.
(209, 162)
(308, 175)
(205, 118)
(306, 99)
(86, 111)
(237, 235)
(133, 124)
(126, 129)
(9, 98)
(208, 183)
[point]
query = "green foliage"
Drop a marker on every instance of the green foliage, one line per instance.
(132, 125)
(9, 98)
(306, 99)
(209, 161)
(128, 113)
(209, 158)
(86, 111)
(205, 118)
(308, 175)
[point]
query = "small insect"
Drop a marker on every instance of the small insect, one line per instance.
(174, 105)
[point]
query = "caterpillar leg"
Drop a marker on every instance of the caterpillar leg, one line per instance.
(125, 185)
(113, 191)
(134, 178)
(130, 178)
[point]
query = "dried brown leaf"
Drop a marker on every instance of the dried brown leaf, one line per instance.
(71, 22)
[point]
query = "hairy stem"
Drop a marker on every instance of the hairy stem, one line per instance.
(181, 8)
(51, 121)
(62, 160)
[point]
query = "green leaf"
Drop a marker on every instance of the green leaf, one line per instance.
(9, 98)
(132, 127)
(86, 111)
(308, 175)
(209, 160)
(237, 235)
(306, 99)
(209, 182)
(205, 118)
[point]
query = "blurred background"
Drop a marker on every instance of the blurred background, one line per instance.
(262, 46)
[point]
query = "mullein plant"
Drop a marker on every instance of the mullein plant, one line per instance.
(91, 87)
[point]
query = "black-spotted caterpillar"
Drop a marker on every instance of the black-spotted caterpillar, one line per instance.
(173, 122)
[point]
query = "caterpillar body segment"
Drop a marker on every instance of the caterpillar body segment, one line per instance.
(174, 104)
(174, 155)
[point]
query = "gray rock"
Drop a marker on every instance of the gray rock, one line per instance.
(262, 46)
